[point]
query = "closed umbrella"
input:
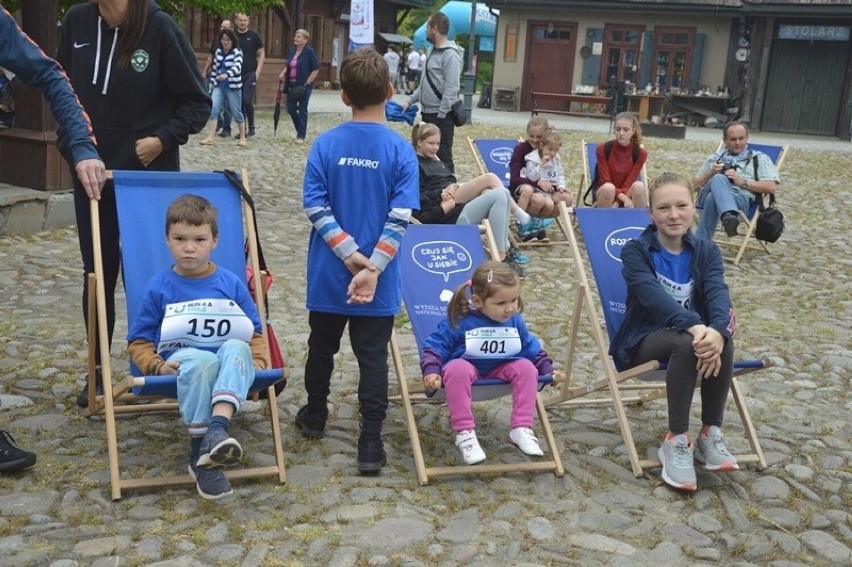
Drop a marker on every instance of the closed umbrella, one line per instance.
(279, 94)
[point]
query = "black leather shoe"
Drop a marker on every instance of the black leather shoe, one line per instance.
(83, 397)
(225, 134)
(371, 454)
(730, 222)
(12, 457)
(312, 424)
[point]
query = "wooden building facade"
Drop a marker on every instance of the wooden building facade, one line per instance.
(786, 64)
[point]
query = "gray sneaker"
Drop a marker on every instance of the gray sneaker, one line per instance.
(676, 457)
(713, 452)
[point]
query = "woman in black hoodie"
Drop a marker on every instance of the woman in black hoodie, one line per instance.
(137, 77)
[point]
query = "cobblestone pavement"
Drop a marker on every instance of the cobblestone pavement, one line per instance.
(794, 307)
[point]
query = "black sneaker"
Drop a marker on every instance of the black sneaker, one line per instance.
(516, 267)
(371, 454)
(312, 424)
(83, 396)
(12, 457)
(730, 222)
(225, 134)
(251, 133)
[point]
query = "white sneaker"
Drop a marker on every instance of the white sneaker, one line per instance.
(524, 439)
(469, 447)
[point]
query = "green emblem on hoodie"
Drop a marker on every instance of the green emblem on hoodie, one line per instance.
(139, 60)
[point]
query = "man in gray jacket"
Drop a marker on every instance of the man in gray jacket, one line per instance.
(439, 84)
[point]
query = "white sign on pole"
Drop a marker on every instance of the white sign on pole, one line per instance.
(361, 24)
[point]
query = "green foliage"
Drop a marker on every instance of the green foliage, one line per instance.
(221, 8)
(417, 17)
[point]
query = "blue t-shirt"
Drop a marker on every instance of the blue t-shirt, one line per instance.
(361, 170)
(674, 274)
(168, 294)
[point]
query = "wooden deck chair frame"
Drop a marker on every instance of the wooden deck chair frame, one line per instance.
(119, 398)
(410, 393)
(744, 242)
(588, 174)
(490, 165)
(613, 389)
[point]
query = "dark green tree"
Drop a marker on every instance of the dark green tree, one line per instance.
(221, 8)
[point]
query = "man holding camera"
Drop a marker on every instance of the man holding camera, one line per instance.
(729, 181)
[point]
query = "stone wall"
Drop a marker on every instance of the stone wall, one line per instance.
(27, 211)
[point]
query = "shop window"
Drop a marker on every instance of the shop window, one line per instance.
(551, 32)
(620, 53)
(673, 50)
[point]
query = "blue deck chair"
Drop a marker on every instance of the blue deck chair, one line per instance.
(590, 166)
(435, 260)
(142, 199)
(493, 155)
(604, 232)
(749, 219)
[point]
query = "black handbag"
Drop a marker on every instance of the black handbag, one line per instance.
(296, 92)
(770, 221)
(458, 112)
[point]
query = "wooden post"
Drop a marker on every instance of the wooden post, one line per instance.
(28, 153)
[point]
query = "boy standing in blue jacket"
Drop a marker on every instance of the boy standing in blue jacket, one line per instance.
(361, 184)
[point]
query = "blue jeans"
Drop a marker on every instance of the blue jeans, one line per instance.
(719, 196)
(206, 378)
(298, 110)
(234, 99)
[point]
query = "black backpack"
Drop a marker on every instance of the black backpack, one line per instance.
(594, 184)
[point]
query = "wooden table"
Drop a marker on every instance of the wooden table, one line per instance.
(589, 105)
(646, 105)
(706, 106)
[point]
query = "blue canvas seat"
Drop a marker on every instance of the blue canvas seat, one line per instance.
(142, 199)
(749, 219)
(493, 155)
(604, 232)
(590, 166)
(436, 259)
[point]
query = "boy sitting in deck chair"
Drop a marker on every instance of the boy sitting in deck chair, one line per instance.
(198, 321)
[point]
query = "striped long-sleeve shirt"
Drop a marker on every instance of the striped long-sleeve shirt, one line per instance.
(231, 64)
(361, 184)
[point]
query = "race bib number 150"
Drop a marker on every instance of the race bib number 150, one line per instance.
(204, 323)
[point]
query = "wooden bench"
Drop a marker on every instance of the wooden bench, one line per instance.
(589, 105)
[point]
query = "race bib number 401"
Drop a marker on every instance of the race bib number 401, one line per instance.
(492, 342)
(204, 323)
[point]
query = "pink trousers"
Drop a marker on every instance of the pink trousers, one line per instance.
(459, 375)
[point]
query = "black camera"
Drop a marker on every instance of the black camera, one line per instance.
(728, 163)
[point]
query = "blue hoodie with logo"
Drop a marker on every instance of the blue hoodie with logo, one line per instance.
(160, 92)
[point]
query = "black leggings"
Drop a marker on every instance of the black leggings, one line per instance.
(109, 247)
(369, 337)
(675, 349)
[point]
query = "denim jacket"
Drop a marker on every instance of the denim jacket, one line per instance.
(650, 308)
